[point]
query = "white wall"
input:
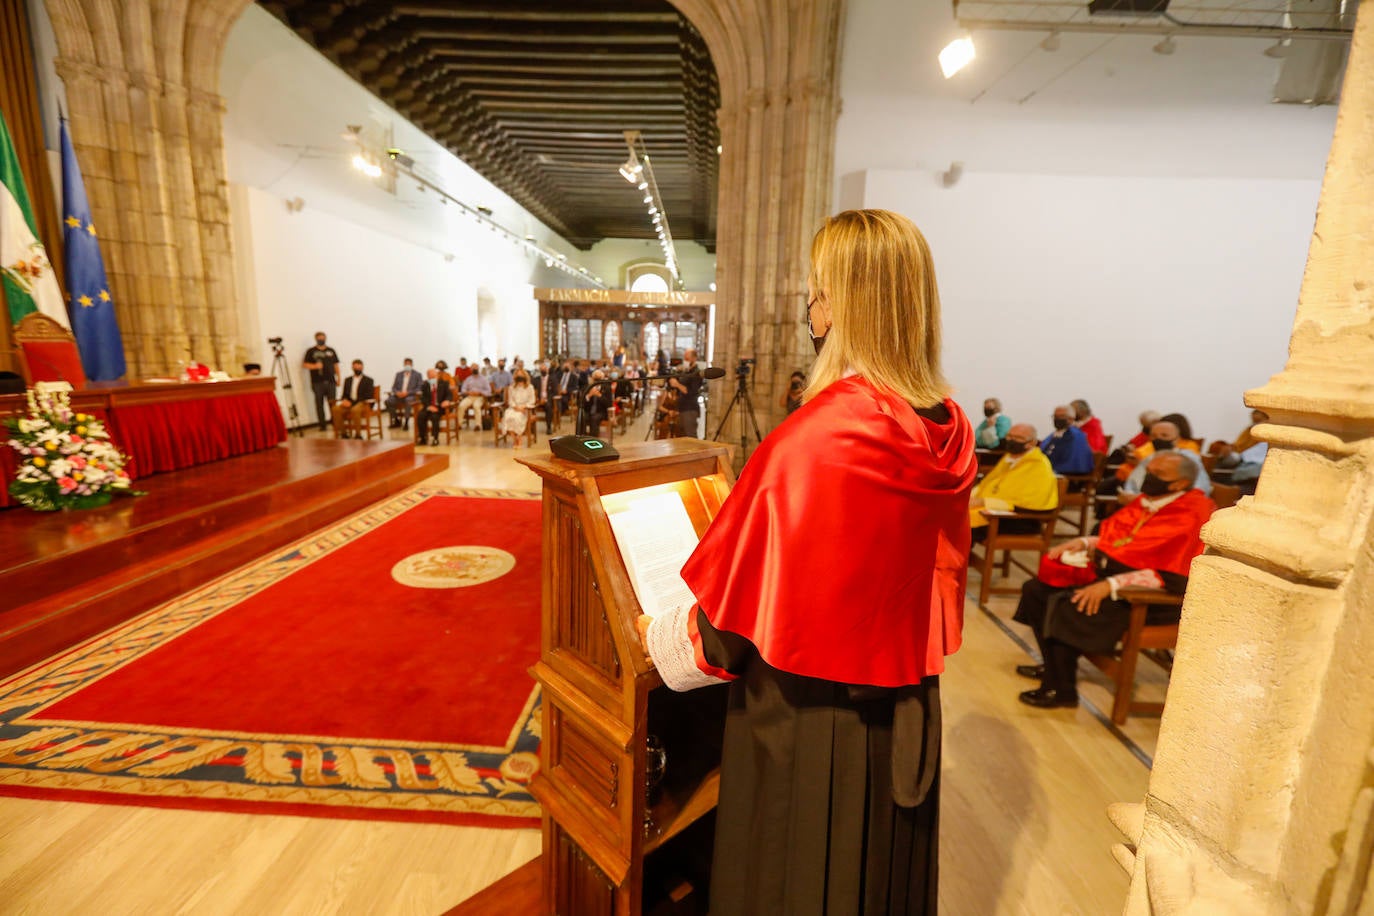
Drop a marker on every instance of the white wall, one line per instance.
(1130, 229)
(385, 275)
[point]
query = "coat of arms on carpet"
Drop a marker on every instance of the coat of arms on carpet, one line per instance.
(377, 669)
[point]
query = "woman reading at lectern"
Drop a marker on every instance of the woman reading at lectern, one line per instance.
(830, 588)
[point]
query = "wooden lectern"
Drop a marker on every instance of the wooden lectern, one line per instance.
(602, 697)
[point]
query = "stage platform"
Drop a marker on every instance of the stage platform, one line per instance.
(66, 576)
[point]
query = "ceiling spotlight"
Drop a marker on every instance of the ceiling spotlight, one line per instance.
(1277, 49)
(548, 262)
(648, 198)
(719, 150)
(1051, 42)
(631, 169)
(653, 211)
(643, 185)
(957, 55)
(1167, 46)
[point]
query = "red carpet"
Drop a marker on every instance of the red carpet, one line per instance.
(317, 666)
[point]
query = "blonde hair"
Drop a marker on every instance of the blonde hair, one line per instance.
(873, 270)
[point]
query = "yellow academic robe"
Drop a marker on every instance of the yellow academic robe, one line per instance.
(1027, 484)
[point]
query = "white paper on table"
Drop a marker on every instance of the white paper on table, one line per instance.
(655, 537)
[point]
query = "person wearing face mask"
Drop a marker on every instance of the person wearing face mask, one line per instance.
(994, 427)
(1149, 544)
(404, 389)
(1091, 426)
(355, 399)
(323, 364)
(688, 384)
(829, 776)
(1023, 479)
(1164, 437)
(1067, 447)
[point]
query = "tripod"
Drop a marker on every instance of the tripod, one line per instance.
(747, 412)
(283, 374)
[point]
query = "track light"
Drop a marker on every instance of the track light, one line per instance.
(1051, 42)
(631, 170)
(1166, 47)
(957, 55)
(643, 185)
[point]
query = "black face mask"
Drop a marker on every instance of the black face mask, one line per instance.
(989, 411)
(1014, 447)
(1162, 445)
(1154, 486)
(1061, 422)
(357, 372)
(319, 341)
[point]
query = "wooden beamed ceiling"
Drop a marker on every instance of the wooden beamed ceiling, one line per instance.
(536, 96)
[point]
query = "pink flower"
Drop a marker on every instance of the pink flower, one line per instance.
(78, 462)
(67, 484)
(76, 440)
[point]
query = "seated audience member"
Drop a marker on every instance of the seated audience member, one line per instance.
(1023, 479)
(442, 368)
(1228, 454)
(461, 373)
(1091, 426)
(1150, 543)
(487, 367)
(476, 389)
(404, 389)
(1126, 452)
(1067, 447)
(500, 377)
(1186, 442)
(1164, 437)
(596, 406)
(354, 398)
(520, 400)
(252, 369)
(435, 399)
(994, 427)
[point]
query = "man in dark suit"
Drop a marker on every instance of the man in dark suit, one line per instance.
(355, 399)
(436, 397)
(403, 393)
(549, 382)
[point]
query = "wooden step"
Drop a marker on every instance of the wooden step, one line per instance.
(115, 563)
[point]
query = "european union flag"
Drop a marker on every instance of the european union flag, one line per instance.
(92, 308)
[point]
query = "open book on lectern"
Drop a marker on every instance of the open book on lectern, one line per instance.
(655, 537)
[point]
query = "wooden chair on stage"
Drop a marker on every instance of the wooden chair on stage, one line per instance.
(46, 351)
(1140, 637)
(1038, 541)
(371, 420)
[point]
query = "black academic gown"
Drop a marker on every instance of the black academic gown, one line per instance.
(809, 821)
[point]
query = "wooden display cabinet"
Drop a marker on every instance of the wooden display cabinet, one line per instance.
(602, 697)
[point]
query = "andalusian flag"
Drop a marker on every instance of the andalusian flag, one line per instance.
(25, 272)
(93, 315)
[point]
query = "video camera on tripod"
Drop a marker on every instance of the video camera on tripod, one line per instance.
(278, 348)
(282, 372)
(746, 365)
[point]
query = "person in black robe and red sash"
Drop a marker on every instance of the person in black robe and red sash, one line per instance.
(1148, 544)
(830, 589)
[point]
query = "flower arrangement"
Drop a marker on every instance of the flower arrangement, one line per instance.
(66, 458)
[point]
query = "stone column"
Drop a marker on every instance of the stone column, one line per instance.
(150, 143)
(1262, 795)
(776, 64)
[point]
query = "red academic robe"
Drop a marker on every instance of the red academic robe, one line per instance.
(1168, 541)
(841, 553)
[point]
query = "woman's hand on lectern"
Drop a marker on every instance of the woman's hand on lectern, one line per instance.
(642, 626)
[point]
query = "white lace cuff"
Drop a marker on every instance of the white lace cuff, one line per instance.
(670, 646)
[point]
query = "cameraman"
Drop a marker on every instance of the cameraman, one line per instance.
(688, 385)
(323, 364)
(792, 398)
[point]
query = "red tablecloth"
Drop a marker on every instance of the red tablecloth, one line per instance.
(175, 432)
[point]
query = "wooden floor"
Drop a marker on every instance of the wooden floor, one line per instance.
(1023, 823)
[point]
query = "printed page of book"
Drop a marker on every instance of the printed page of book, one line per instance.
(655, 537)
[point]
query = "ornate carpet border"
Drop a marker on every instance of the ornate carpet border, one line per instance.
(304, 773)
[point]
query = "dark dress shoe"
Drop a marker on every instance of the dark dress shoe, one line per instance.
(1048, 699)
(434, 440)
(1034, 672)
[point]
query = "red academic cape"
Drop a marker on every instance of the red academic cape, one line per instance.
(842, 551)
(1167, 541)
